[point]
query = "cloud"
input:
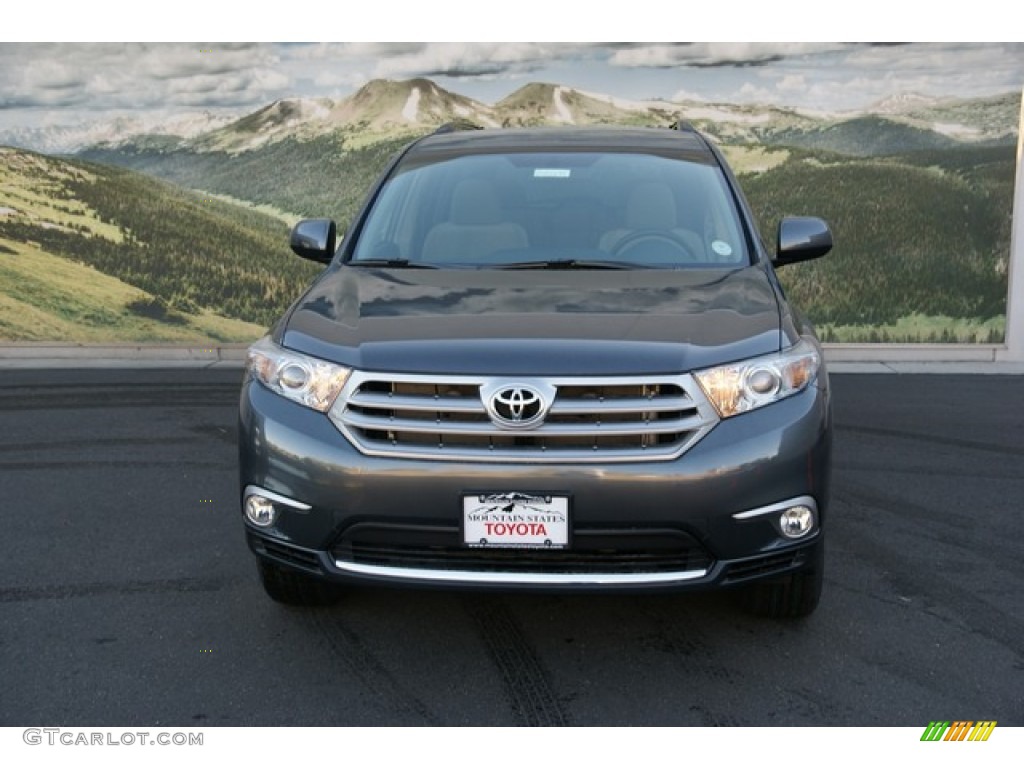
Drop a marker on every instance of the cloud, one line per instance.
(345, 51)
(670, 55)
(463, 60)
(457, 60)
(857, 76)
(54, 75)
(105, 76)
(685, 95)
(89, 79)
(792, 84)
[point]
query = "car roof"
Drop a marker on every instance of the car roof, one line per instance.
(684, 143)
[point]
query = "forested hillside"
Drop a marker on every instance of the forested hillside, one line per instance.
(917, 234)
(185, 255)
(860, 137)
(323, 176)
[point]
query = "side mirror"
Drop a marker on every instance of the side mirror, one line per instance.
(315, 239)
(801, 238)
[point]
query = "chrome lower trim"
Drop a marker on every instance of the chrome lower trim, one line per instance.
(523, 579)
(805, 501)
(277, 498)
(509, 456)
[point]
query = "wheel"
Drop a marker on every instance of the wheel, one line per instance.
(293, 588)
(793, 596)
(635, 240)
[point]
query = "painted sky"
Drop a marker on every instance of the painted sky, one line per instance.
(58, 84)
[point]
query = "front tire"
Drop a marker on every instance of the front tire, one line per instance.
(794, 596)
(292, 588)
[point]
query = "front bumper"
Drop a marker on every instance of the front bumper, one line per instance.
(663, 525)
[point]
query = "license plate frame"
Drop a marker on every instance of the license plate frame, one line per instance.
(518, 520)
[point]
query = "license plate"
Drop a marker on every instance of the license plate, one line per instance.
(515, 520)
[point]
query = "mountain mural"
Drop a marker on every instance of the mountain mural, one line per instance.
(918, 190)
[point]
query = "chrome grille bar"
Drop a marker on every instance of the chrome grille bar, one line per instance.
(413, 403)
(620, 405)
(591, 419)
(442, 427)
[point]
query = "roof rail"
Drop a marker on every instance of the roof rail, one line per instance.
(682, 125)
(458, 125)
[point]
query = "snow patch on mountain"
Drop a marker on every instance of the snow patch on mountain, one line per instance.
(117, 129)
(956, 130)
(628, 104)
(412, 105)
(900, 103)
(562, 111)
(719, 115)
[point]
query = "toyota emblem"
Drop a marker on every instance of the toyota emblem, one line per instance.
(517, 406)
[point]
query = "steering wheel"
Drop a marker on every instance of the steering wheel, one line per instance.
(635, 239)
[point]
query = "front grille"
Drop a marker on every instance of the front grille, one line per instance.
(588, 419)
(604, 551)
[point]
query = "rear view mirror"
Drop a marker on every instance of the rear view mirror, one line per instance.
(315, 239)
(801, 238)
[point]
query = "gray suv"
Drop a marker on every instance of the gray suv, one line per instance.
(543, 359)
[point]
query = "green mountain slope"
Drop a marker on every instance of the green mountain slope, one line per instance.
(322, 176)
(917, 234)
(148, 258)
(860, 137)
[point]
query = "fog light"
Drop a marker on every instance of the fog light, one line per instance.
(260, 511)
(796, 522)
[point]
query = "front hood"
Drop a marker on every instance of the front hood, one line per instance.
(535, 322)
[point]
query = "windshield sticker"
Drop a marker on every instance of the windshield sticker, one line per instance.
(721, 248)
(551, 173)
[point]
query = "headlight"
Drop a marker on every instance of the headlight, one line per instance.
(306, 380)
(744, 386)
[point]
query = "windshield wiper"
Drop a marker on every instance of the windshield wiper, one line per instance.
(395, 263)
(570, 264)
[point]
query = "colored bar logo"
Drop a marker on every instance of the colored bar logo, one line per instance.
(960, 730)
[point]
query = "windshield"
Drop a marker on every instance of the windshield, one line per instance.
(583, 209)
